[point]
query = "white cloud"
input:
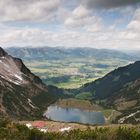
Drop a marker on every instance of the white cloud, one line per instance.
(67, 38)
(80, 12)
(78, 26)
(83, 18)
(78, 23)
(135, 23)
(97, 26)
(28, 10)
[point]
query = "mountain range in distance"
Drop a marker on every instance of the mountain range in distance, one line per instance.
(55, 53)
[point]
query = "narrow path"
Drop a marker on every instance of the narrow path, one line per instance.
(108, 119)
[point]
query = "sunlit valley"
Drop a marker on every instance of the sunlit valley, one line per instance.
(71, 68)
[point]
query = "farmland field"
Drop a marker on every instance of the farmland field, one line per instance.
(72, 73)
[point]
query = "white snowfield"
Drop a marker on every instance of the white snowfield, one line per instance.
(30, 103)
(43, 130)
(29, 125)
(121, 120)
(65, 129)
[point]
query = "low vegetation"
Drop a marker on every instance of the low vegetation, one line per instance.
(15, 131)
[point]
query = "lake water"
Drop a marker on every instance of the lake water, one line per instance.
(57, 113)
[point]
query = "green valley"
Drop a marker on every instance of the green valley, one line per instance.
(70, 68)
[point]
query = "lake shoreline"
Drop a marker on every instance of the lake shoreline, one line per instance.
(58, 113)
(85, 105)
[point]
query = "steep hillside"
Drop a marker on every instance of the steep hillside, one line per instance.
(21, 91)
(127, 101)
(119, 90)
(112, 82)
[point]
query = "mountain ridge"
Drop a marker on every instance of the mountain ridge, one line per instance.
(20, 90)
(118, 90)
(119, 76)
(60, 53)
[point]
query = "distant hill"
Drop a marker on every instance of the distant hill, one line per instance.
(134, 53)
(55, 53)
(22, 94)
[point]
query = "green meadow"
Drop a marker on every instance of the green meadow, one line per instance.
(73, 72)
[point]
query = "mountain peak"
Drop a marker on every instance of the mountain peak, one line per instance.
(13, 69)
(2, 52)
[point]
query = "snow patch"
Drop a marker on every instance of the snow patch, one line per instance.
(30, 103)
(19, 77)
(29, 125)
(126, 117)
(2, 76)
(44, 130)
(65, 129)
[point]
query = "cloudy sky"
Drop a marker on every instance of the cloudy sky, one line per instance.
(111, 24)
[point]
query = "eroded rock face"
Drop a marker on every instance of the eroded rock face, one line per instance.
(8, 68)
(20, 90)
(13, 70)
(10, 71)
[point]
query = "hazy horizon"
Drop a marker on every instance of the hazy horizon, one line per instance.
(63, 47)
(101, 24)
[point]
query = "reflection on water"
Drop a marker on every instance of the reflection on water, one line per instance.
(57, 113)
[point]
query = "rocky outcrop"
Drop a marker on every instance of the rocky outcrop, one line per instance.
(22, 94)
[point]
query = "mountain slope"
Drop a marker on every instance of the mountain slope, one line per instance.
(20, 90)
(127, 101)
(112, 82)
(118, 90)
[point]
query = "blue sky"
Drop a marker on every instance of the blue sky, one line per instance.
(110, 24)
